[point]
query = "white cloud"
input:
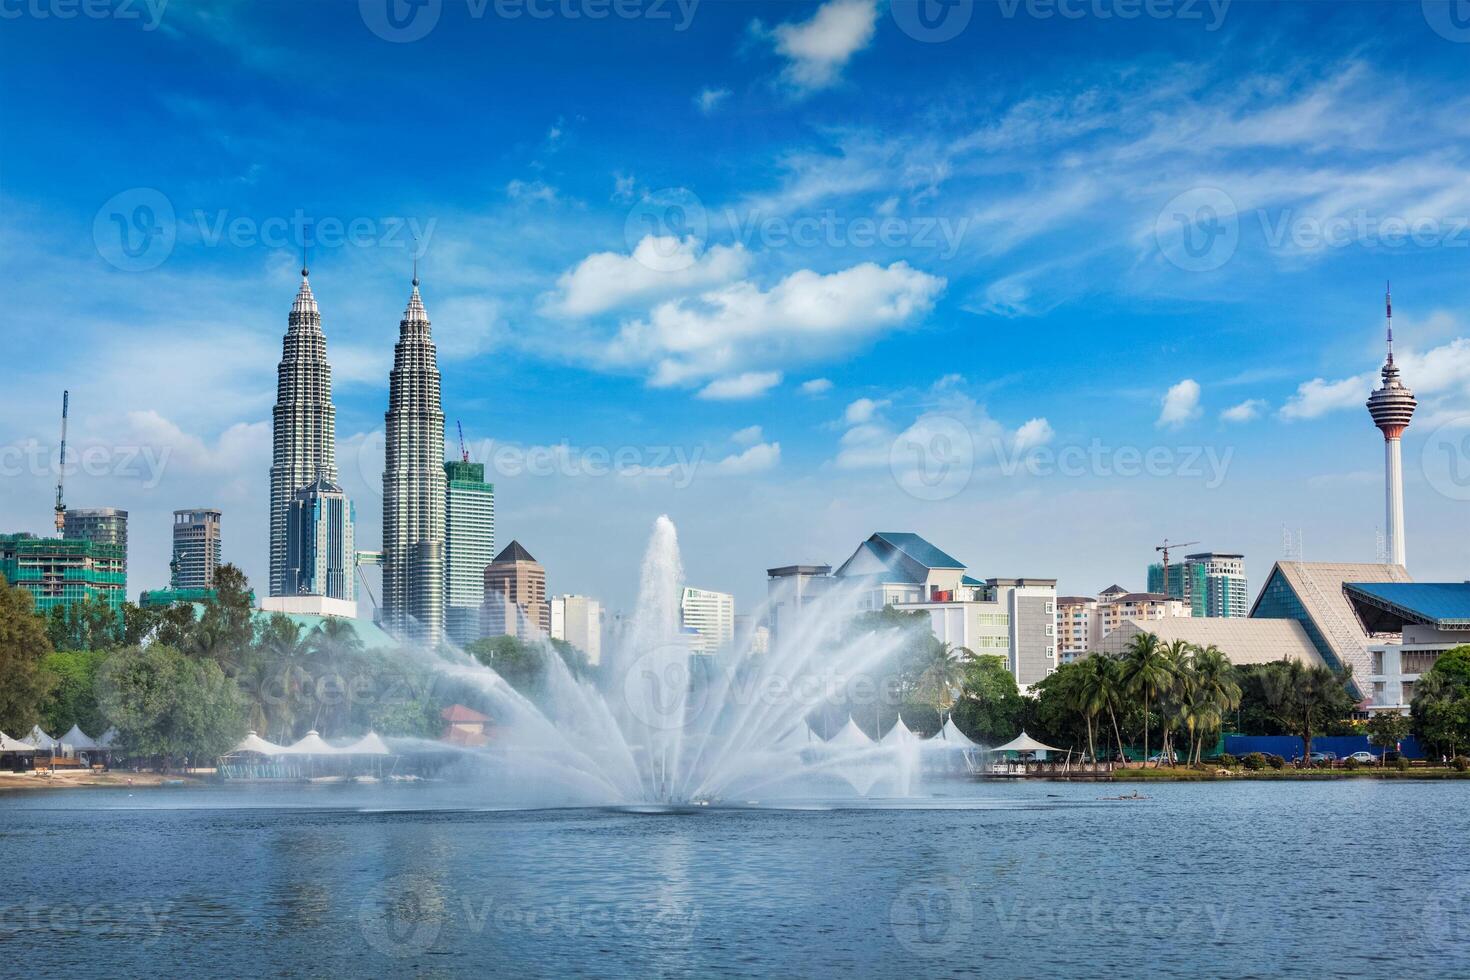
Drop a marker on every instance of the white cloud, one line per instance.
(748, 436)
(1317, 397)
(1179, 405)
(804, 316)
(659, 267)
(1033, 433)
(816, 386)
(532, 190)
(818, 49)
(757, 459)
(751, 384)
(862, 410)
(709, 99)
(1246, 411)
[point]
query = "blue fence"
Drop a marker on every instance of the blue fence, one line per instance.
(1289, 746)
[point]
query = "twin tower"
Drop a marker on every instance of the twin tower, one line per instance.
(312, 551)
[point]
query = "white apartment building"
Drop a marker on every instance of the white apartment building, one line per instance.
(711, 615)
(577, 619)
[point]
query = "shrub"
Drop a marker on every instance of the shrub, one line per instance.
(1461, 763)
(1254, 761)
(1401, 764)
(1276, 761)
(1227, 759)
(1351, 764)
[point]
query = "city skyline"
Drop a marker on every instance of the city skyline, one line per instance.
(563, 319)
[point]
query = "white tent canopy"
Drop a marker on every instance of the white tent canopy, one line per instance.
(369, 744)
(311, 744)
(850, 737)
(899, 734)
(40, 740)
(78, 740)
(8, 744)
(1025, 743)
(951, 737)
(254, 743)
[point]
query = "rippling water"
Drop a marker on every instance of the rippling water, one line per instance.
(1338, 879)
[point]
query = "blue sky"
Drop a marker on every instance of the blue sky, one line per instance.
(790, 273)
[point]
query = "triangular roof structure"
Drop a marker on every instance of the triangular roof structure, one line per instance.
(898, 556)
(1025, 743)
(850, 737)
(40, 739)
(78, 740)
(899, 734)
(513, 552)
(951, 735)
(798, 738)
(1114, 589)
(311, 744)
(369, 744)
(8, 744)
(254, 743)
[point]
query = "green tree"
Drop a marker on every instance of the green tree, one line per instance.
(990, 707)
(1146, 672)
(23, 648)
(1387, 729)
(72, 697)
(171, 706)
(940, 676)
(1307, 699)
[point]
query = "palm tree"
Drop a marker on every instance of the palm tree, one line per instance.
(1096, 691)
(1218, 685)
(1145, 672)
(941, 673)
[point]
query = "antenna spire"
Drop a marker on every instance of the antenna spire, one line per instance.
(1388, 310)
(304, 270)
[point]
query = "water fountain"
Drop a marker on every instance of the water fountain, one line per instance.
(663, 725)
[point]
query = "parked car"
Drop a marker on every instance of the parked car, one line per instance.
(1367, 757)
(1316, 758)
(1169, 759)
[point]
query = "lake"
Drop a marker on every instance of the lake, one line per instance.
(1351, 878)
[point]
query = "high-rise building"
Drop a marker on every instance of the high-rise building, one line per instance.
(711, 615)
(577, 619)
(469, 546)
(58, 572)
(304, 426)
(197, 548)
(99, 525)
(1075, 614)
(1211, 583)
(413, 484)
(1392, 406)
(515, 595)
(320, 555)
(789, 590)
(1114, 608)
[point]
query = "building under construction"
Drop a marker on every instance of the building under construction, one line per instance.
(60, 572)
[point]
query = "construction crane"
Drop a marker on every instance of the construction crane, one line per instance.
(464, 454)
(61, 470)
(1165, 549)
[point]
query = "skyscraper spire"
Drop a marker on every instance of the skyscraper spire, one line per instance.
(304, 422)
(1392, 407)
(414, 483)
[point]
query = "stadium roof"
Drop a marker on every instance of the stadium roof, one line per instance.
(1244, 641)
(1386, 607)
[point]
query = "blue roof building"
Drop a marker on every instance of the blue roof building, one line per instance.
(1413, 623)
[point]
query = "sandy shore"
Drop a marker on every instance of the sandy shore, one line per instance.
(81, 778)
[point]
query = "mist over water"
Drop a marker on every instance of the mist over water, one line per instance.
(665, 725)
